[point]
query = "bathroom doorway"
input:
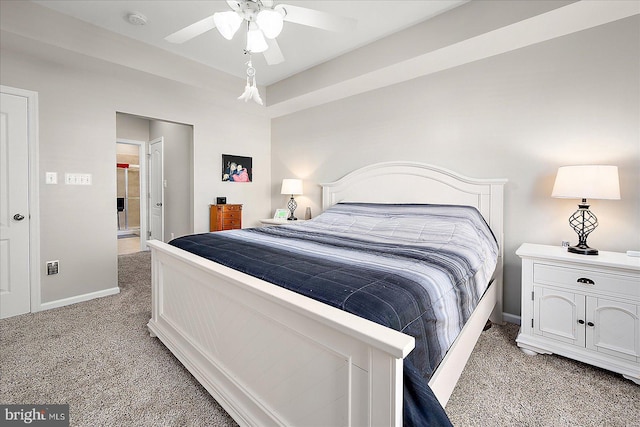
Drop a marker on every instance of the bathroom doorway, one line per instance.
(129, 176)
(175, 182)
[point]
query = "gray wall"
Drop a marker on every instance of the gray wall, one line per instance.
(519, 115)
(178, 174)
(132, 127)
(79, 97)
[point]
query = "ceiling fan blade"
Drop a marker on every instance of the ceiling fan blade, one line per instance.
(318, 19)
(234, 4)
(273, 55)
(193, 30)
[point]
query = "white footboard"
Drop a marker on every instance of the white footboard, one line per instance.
(270, 356)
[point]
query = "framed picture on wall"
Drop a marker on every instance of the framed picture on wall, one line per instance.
(237, 168)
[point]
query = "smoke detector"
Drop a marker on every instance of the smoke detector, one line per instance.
(136, 18)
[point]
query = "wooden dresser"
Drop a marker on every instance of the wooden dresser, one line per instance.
(225, 217)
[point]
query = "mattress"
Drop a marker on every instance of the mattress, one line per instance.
(418, 269)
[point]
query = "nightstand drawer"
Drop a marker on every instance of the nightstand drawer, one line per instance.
(580, 279)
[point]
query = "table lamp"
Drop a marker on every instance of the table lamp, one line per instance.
(292, 187)
(586, 182)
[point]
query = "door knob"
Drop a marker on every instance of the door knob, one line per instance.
(18, 217)
(158, 204)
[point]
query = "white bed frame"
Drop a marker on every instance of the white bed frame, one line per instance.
(270, 356)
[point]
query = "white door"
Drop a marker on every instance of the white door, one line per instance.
(156, 190)
(15, 292)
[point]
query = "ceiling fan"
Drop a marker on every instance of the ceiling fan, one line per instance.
(264, 22)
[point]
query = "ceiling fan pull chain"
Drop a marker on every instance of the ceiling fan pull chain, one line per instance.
(251, 90)
(251, 72)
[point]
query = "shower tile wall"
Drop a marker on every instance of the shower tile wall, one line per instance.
(128, 185)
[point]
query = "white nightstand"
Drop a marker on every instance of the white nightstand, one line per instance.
(271, 221)
(585, 307)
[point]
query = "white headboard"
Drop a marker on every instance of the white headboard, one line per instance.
(413, 182)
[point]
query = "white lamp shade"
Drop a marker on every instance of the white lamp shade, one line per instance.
(587, 182)
(270, 22)
(227, 23)
(255, 40)
(291, 186)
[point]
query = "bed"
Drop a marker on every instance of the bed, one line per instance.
(271, 356)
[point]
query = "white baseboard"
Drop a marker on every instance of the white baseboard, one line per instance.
(78, 298)
(511, 318)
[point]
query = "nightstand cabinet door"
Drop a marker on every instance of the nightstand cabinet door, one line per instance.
(616, 328)
(559, 315)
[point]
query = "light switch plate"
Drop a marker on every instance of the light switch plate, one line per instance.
(77, 178)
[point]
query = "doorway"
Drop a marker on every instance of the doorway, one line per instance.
(129, 203)
(169, 186)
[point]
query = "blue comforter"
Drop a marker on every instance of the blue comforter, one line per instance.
(418, 269)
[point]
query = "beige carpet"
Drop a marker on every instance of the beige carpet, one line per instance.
(501, 386)
(98, 357)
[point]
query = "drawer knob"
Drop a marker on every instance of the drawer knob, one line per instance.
(586, 281)
(590, 324)
(581, 321)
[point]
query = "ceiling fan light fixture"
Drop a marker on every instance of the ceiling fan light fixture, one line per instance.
(270, 22)
(255, 40)
(227, 23)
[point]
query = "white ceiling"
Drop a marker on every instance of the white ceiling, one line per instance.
(303, 47)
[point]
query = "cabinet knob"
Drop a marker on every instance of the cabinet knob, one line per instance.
(590, 324)
(586, 281)
(581, 321)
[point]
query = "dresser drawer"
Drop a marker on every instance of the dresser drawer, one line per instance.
(231, 224)
(231, 208)
(583, 279)
(228, 215)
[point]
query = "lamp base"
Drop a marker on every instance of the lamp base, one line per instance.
(583, 222)
(582, 250)
(292, 205)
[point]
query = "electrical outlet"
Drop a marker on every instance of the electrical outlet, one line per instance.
(53, 267)
(51, 178)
